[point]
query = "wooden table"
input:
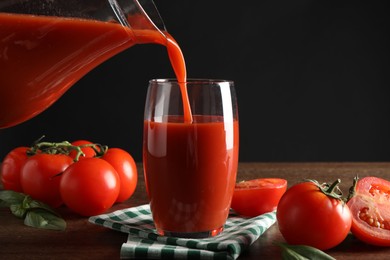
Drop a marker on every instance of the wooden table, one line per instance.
(83, 240)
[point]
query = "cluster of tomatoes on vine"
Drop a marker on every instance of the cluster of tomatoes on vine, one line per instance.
(88, 178)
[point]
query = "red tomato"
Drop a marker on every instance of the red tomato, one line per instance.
(255, 197)
(40, 177)
(307, 216)
(10, 168)
(371, 212)
(88, 151)
(90, 186)
(126, 168)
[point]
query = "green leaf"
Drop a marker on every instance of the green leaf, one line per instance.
(35, 213)
(3, 204)
(35, 204)
(289, 254)
(26, 202)
(41, 218)
(9, 197)
(303, 252)
(18, 210)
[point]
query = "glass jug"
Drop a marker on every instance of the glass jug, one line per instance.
(48, 45)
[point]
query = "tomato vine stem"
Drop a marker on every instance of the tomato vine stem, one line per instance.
(332, 190)
(64, 147)
(352, 189)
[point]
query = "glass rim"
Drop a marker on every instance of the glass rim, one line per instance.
(191, 80)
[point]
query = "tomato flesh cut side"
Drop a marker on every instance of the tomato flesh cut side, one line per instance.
(370, 211)
(255, 197)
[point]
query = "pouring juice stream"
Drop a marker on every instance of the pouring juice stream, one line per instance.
(41, 57)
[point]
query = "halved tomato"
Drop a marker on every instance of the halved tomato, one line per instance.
(371, 211)
(255, 197)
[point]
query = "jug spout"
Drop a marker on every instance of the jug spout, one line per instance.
(47, 46)
(138, 15)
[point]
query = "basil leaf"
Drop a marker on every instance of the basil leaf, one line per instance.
(9, 197)
(35, 204)
(41, 218)
(26, 202)
(303, 252)
(35, 213)
(3, 204)
(18, 210)
(289, 254)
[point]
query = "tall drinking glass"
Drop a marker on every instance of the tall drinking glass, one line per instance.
(190, 167)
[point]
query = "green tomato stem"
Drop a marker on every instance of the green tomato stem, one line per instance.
(332, 190)
(352, 189)
(64, 147)
(333, 187)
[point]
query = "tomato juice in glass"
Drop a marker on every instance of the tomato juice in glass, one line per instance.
(190, 167)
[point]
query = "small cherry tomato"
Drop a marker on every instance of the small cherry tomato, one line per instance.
(41, 175)
(371, 212)
(308, 216)
(89, 152)
(10, 168)
(256, 197)
(126, 168)
(90, 186)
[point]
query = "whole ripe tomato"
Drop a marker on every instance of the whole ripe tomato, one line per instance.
(255, 197)
(10, 168)
(88, 151)
(126, 168)
(90, 186)
(371, 212)
(308, 216)
(41, 175)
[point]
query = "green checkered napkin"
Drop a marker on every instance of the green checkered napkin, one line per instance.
(143, 241)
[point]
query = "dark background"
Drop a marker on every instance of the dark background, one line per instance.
(312, 80)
